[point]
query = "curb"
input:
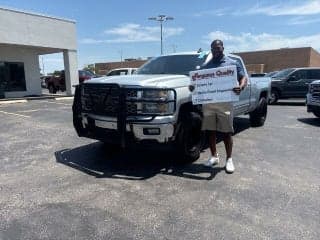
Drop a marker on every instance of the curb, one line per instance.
(26, 99)
(12, 101)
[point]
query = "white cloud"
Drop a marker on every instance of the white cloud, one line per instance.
(263, 41)
(302, 20)
(306, 8)
(134, 33)
(215, 12)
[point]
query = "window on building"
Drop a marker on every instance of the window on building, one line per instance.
(12, 77)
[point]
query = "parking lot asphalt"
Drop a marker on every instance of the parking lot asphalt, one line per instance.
(55, 185)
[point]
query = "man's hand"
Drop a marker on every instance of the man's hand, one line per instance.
(191, 88)
(237, 90)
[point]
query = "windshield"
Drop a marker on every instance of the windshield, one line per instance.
(283, 73)
(173, 64)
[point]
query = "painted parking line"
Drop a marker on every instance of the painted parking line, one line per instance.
(63, 98)
(27, 111)
(60, 103)
(13, 101)
(15, 114)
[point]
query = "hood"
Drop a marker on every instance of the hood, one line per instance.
(161, 80)
(316, 82)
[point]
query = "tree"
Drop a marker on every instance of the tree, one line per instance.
(90, 67)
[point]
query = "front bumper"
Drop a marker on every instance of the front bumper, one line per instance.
(313, 104)
(158, 129)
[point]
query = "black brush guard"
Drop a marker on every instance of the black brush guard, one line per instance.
(110, 100)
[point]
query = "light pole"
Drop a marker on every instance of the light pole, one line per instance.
(161, 19)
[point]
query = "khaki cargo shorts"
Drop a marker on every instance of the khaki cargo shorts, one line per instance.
(218, 117)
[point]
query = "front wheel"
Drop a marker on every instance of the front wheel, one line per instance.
(190, 137)
(52, 89)
(259, 115)
(316, 113)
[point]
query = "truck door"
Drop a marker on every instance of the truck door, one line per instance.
(244, 98)
(296, 84)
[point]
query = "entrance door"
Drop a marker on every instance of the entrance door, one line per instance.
(2, 79)
(12, 77)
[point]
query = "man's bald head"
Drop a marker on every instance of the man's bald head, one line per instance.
(217, 42)
(217, 48)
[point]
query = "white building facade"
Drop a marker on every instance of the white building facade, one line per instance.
(23, 38)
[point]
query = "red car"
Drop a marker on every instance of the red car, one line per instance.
(85, 75)
(57, 82)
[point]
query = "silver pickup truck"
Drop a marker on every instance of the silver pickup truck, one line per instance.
(154, 105)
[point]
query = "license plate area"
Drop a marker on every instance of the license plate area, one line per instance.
(107, 125)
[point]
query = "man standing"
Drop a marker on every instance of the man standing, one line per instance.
(218, 117)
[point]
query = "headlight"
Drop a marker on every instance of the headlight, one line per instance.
(158, 108)
(158, 94)
(161, 101)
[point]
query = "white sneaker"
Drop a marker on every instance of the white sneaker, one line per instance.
(229, 166)
(212, 161)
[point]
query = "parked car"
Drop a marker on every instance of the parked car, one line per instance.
(57, 81)
(155, 106)
(292, 83)
(313, 98)
(121, 71)
(85, 75)
(44, 81)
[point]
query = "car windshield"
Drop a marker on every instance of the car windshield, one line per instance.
(172, 64)
(283, 73)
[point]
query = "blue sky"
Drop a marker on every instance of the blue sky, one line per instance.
(107, 30)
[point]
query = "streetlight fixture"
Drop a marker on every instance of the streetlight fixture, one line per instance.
(161, 19)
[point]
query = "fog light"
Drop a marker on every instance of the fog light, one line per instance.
(151, 131)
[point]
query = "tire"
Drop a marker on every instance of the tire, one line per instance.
(259, 115)
(274, 96)
(190, 138)
(76, 111)
(52, 89)
(316, 113)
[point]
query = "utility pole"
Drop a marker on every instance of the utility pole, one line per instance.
(161, 19)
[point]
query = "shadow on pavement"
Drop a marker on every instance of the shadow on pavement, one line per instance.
(300, 102)
(311, 121)
(97, 160)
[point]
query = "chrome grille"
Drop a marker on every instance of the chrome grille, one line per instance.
(315, 88)
(316, 96)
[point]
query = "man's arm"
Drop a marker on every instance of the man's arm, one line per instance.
(242, 85)
(242, 80)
